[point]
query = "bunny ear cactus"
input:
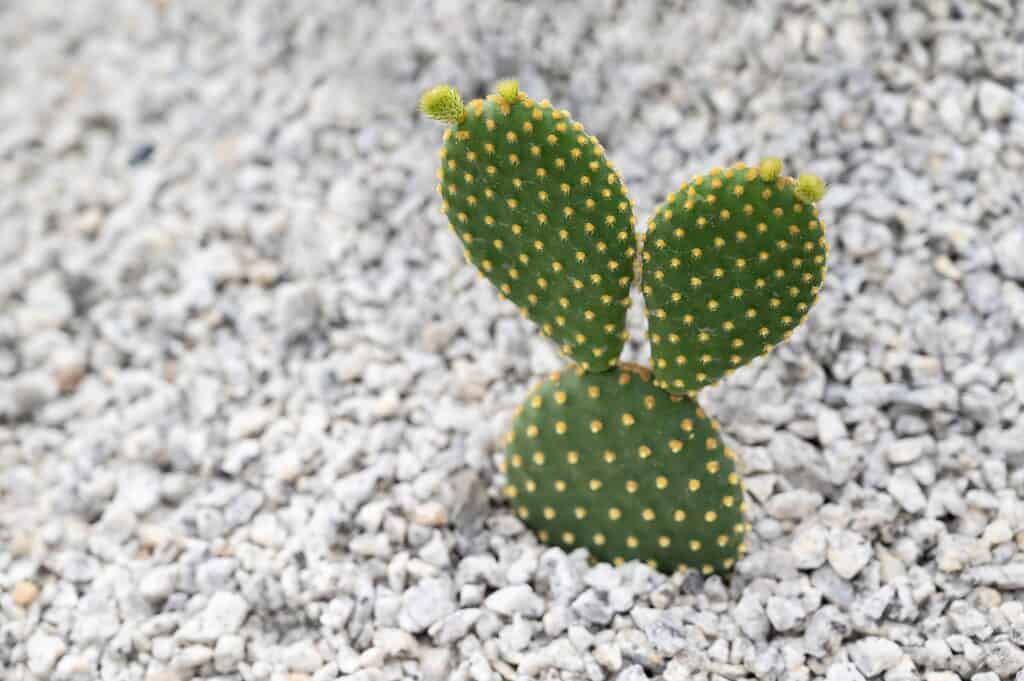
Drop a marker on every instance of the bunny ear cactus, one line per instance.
(542, 214)
(624, 462)
(612, 463)
(732, 263)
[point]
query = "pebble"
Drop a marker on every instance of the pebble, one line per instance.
(224, 614)
(793, 505)
(515, 600)
(302, 656)
(874, 656)
(848, 553)
(427, 602)
(24, 593)
(1009, 252)
(43, 651)
(995, 101)
(783, 613)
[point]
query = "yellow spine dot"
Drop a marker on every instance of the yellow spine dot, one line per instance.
(599, 539)
(596, 426)
(572, 457)
(648, 514)
(538, 458)
(679, 515)
(710, 516)
(695, 545)
(632, 542)
(523, 512)
(561, 427)
(712, 467)
(644, 451)
(632, 486)
(614, 513)
(628, 420)
(595, 485)
(664, 542)
(559, 485)
(609, 456)
(580, 512)
(549, 513)
(694, 485)
(661, 482)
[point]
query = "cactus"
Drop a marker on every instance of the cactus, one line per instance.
(732, 262)
(625, 462)
(610, 462)
(542, 214)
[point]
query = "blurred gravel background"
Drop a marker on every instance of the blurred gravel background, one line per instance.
(251, 395)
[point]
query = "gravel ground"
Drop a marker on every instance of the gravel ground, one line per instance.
(251, 396)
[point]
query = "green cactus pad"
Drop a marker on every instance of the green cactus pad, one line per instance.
(544, 216)
(610, 462)
(732, 263)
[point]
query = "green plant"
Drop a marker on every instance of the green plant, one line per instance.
(610, 462)
(732, 262)
(625, 462)
(542, 214)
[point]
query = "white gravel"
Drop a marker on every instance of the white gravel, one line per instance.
(251, 397)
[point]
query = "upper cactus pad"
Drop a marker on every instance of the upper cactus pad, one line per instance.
(732, 262)
(610, 462)
(543, 214)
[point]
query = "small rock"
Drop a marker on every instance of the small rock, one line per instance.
(632, 673)
(783, 613)
(159, 583)
(995, 102)
(874, 655)
(516, 600)
(302, 656)
(224, 614)
(430, 514)
(793, 505)
(848, 553)
(751, 619)
(809, 547)
(230, 650)
(24, 593)
(1009, 252)
(43, 652)
(910, 449)
(427, 602)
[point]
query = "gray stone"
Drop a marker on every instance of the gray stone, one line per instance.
(751, 618)
(995, 101)
(784, 613)
(874, 655)
(1009, 252)
(224, 614)
(793, 505)
(302, 656)
(43, 651)
(515, 600)
(429, 601)
(848, 553)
